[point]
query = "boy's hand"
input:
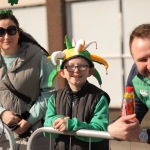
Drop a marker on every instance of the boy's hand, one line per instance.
(60, 124)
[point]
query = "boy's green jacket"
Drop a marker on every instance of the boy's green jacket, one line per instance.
(99, 119)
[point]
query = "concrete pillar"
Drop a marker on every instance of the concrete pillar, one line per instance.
(56, 17)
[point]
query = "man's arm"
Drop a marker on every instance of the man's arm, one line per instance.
(127, 128)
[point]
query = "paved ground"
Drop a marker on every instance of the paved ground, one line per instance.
(119, 145)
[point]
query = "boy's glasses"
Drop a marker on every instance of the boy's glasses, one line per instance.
(11, 30)
(80, 68)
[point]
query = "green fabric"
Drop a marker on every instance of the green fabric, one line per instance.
(12, 2)
(6, 11)
(68, 42)
(98, 122)
(54, 73)
(97, 76)
(142, 87)
(85, 53)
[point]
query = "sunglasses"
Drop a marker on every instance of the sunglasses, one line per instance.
(11, 30)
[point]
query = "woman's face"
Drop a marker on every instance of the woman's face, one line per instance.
(8, 42)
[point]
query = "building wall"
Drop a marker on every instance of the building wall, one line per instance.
(21, 3)
(100, 21)
(110, 23)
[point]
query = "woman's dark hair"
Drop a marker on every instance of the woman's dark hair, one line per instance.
(24, 37)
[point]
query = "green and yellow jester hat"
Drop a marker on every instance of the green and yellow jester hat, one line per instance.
(78, 49)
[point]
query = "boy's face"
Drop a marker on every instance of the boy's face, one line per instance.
(76, 72)
(141, 54)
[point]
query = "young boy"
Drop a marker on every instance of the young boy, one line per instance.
(80, 105)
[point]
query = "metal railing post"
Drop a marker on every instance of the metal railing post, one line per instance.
(10, 135)
(82, 132)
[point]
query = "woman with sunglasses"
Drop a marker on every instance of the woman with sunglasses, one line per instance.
(24, 71)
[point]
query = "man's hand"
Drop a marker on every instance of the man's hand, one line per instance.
(125, 128)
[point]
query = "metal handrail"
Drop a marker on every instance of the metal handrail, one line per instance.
(82, 132)
(10, 135)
